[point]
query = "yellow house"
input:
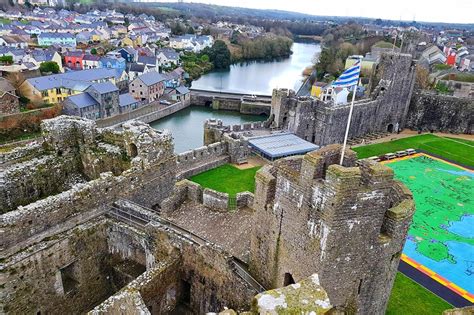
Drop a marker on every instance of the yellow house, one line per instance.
(53, 89)
(133, 41)
(96, 38)
(367, 63)
(317, 89)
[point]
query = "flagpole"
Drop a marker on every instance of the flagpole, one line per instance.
(348, 122)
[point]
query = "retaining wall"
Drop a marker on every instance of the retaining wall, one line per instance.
(147, 114)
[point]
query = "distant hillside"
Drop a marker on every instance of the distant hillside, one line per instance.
(216, 11)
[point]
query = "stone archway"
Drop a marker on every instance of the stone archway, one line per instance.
(390, 128)
(288, 279)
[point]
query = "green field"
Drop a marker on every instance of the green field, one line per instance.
(410, 298)
(228, 179)
(5, 21)
(457, 150)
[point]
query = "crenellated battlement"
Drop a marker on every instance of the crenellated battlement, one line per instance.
(308, 206)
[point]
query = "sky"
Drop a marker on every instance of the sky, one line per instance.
(451, 11)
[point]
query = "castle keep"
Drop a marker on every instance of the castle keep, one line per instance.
(96, 220)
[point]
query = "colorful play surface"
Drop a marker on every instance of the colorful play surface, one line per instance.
(440, 241)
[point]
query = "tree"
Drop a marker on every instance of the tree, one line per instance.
(190, 30)
(49, 66)
(6, 59)
(220, 56)
(178, 28)
(206, 31)
(93, 51)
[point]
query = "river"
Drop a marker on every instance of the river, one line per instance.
(249, 78)
(187, 125)
(258, 77)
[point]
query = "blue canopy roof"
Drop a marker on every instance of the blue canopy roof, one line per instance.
(280, 145)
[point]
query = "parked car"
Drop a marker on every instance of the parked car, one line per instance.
(374, 158)
(410, 151)
(401, 153)
(389, 156)
(165, 102)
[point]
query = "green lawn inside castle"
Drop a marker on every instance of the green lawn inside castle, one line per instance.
(228, 179)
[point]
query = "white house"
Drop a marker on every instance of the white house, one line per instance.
(191, 42)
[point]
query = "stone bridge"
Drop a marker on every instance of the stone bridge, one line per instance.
(243, 103)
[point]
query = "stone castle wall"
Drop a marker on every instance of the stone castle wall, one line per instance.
(70, 272)
(186, 190)
(347, 224)
(325, 123)
(441, 113)
(149, 180)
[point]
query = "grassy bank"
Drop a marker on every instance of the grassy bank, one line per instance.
(410, 298)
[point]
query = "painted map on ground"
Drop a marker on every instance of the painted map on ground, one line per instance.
(441, 236)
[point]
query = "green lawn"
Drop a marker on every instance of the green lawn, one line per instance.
(410, 298)
(5, 21)
(457, 150)
(228, 179)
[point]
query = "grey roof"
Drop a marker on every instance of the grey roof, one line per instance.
(126, 99)
(182, 89)
(147, 60)
(135, 67)
(56, 35)
(152, 77)
(42, 55)
(280, 145)
(169, 53)
(75, 53)
(82, 100)
(91, 57)
(73, 78)
(104, 87)
(6, 86)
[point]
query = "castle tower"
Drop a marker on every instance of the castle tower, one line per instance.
(346, 223)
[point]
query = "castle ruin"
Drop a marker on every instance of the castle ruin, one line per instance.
(96, 220)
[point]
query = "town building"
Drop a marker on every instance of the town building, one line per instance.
(99, 100)
(112, 62)
(148, 87)
(74, 60)
(167, 57)
(55, 88)
(191, 42)
(90, 61)
(38, 56)
(61, 39)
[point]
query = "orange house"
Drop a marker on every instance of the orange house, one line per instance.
(451, 59)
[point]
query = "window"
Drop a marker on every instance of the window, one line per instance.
(69, 278)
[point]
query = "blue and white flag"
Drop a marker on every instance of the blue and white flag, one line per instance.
(349, 77)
